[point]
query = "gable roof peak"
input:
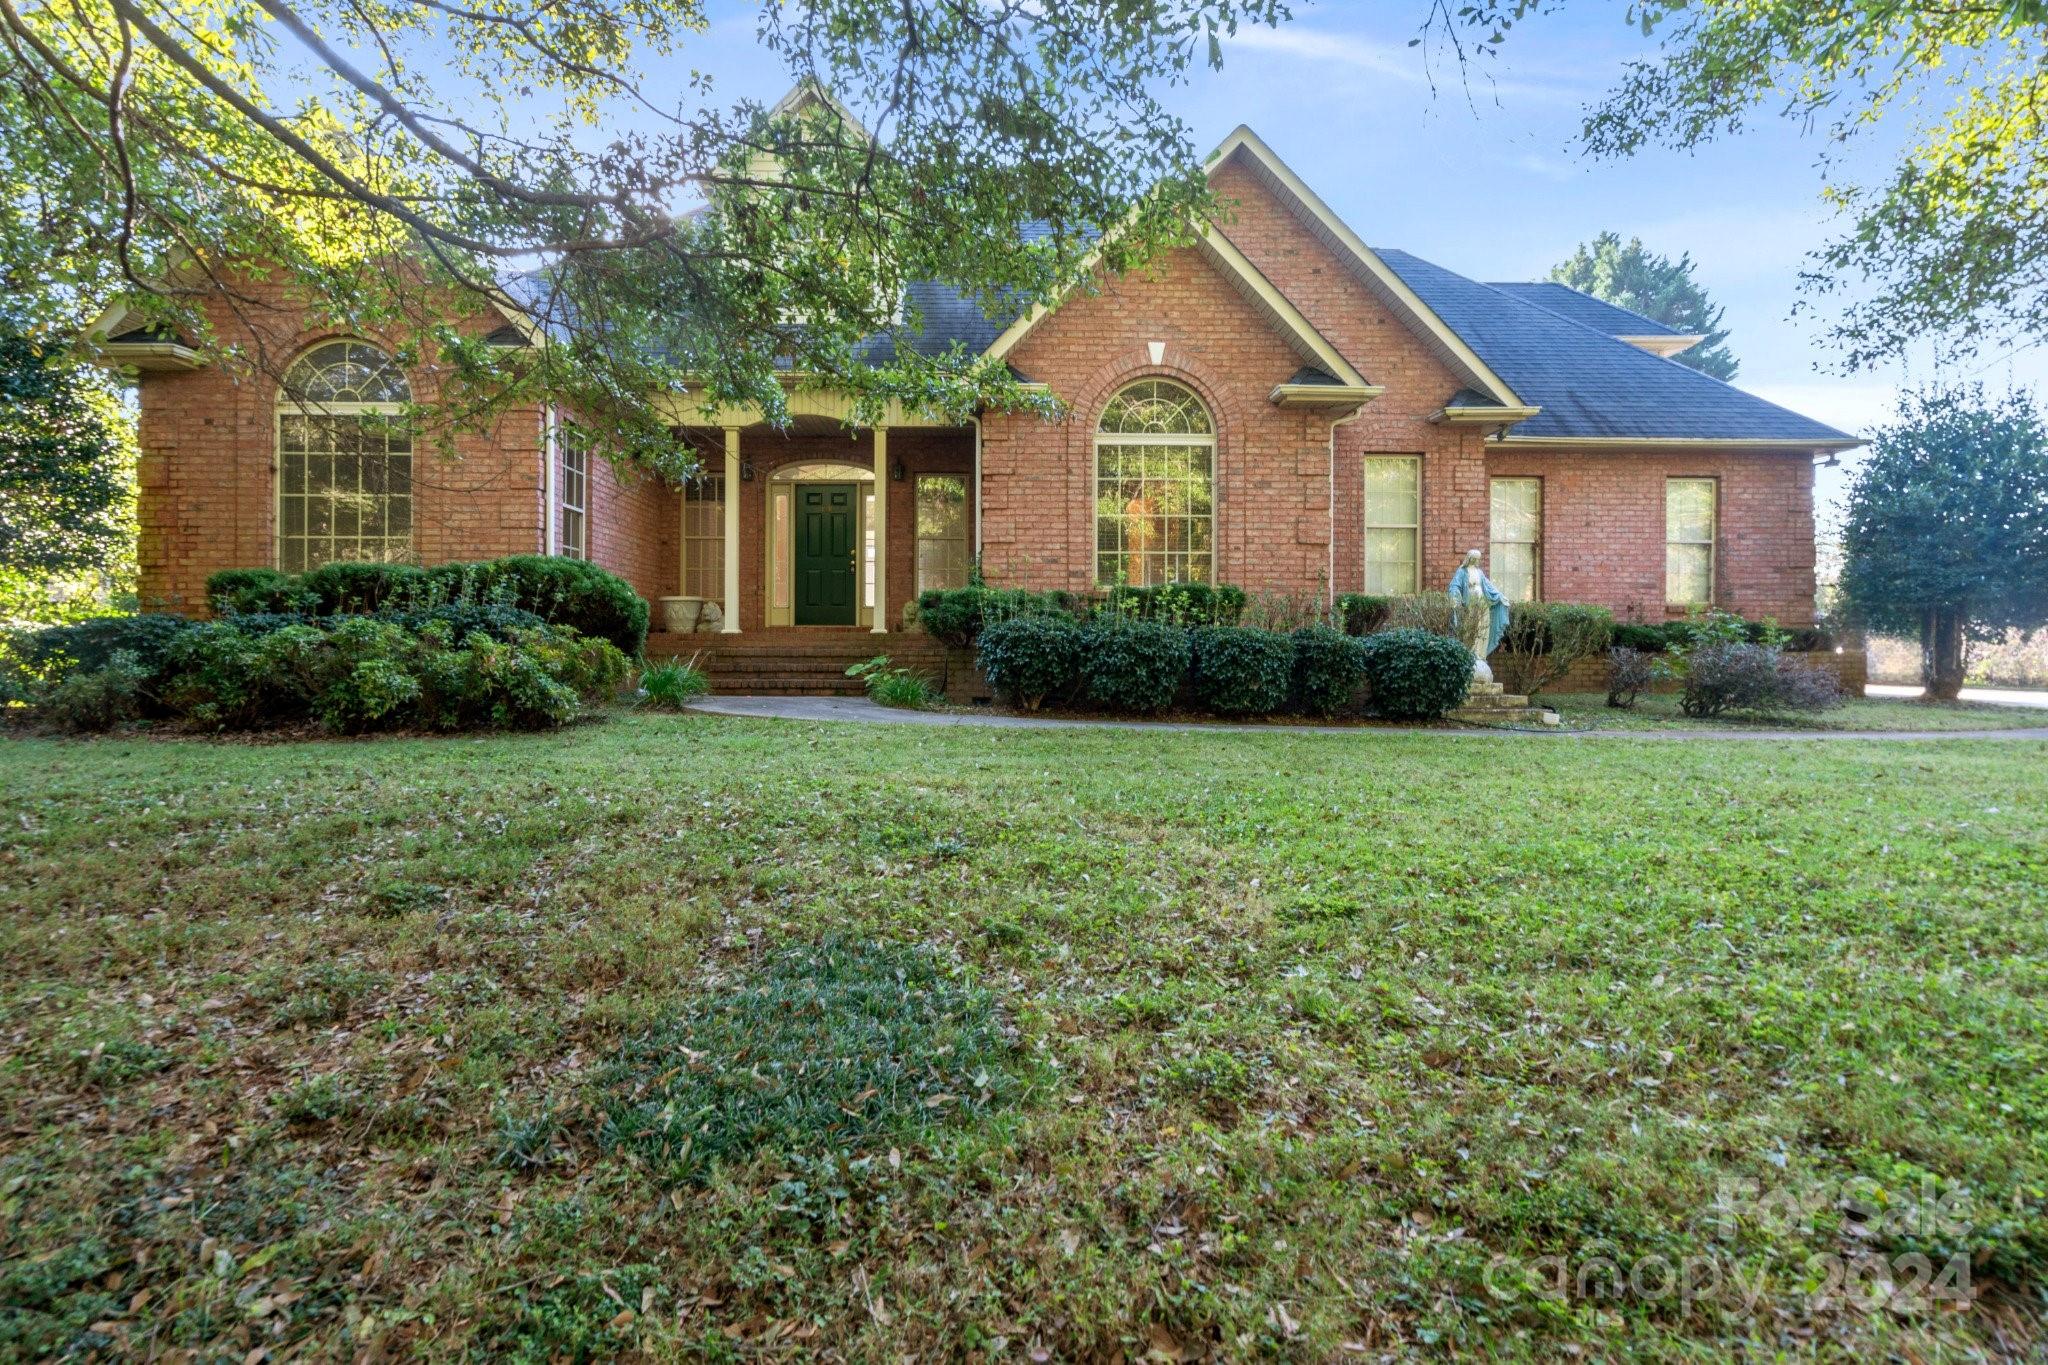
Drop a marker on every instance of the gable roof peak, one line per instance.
(1350, 249)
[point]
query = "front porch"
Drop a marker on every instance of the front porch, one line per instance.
(798, 550)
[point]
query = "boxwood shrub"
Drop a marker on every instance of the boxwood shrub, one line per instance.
(1134, 666)
(353, 587)
(1237, 671)
(567, 592)
(1360, 614)
(1327, 670)
(559, 591)
(957, 616)
(1415, 674)
(1029, 658)
(250, 591)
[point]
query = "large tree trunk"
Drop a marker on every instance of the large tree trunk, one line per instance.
(1941, 652)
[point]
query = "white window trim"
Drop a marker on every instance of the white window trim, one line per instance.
(565, 443)
(288, 405)
(1712, 542)
(918, 540)
(1367, 525)
(1536, 545)
(1153, 438)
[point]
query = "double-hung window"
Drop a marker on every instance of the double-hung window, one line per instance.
(1393, 524)
(1515, 550)
(941, 531)
(573, 493)
(1692, 517)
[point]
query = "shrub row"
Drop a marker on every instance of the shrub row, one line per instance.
(956, 616)
(1143, 667)
(566, 592)
(1675, 636)
(352, 674)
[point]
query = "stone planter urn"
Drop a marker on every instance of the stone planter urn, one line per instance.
(688, 615)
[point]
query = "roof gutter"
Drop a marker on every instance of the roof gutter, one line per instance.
(1758, 443)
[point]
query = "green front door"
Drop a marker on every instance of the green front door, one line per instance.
(824, 548)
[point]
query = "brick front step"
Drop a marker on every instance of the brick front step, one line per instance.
(796, 661)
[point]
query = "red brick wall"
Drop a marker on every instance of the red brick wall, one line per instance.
(635, 521)
(1290, 517)
(208, 469)
(1603, 527)
(1272, 483)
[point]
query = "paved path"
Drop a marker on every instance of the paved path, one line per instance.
(1997, 696)
(861, 709)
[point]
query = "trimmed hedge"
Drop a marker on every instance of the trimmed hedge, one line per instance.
(360, 588)
(1241, 672)
(1678, 635)
(364, 673)
(1359, 613)
(560, 591)
(1028, 658)
(957, 616)
(1327, 670)
(253, 591)
(1134, 666)
(1415, 674)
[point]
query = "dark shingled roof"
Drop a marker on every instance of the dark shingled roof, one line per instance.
(1552, 345)
(1584, 309)
(1587, 383)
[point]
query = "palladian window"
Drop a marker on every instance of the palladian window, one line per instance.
(1155, 487)
(344, 459)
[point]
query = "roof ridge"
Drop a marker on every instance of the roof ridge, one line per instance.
(1664, 327)
(1635, 354)
(1608, 337)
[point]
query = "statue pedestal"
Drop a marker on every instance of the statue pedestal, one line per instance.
(1482, 675)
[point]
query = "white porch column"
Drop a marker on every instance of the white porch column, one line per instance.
(881, 626)
(732, 532)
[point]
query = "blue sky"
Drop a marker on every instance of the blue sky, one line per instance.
(1485, 179)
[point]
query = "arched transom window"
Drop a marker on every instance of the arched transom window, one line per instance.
(344, 459)
(1155, 487)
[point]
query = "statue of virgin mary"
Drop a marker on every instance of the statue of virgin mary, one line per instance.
(1479, 613)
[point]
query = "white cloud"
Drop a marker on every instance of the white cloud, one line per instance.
(1410, 66)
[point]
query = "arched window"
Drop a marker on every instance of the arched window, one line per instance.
(344, 458)
(1155, 487)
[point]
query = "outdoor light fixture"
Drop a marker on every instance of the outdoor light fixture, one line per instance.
(746, 471)
(897, 472)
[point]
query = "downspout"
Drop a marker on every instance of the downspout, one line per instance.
(1331, 578)
(550, 423)
(976, 420)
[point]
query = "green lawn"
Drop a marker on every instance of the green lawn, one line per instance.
(1590, 711)
(726, 1039)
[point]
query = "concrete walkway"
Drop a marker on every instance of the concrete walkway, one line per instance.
(1996, 696)
(861, 709)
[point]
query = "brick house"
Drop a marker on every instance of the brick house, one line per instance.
(1278, 406)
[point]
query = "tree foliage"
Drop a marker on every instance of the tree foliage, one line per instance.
(1953, 240)
(67, 476)
(1629, 275)
(1946, 532)
(559, 159)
